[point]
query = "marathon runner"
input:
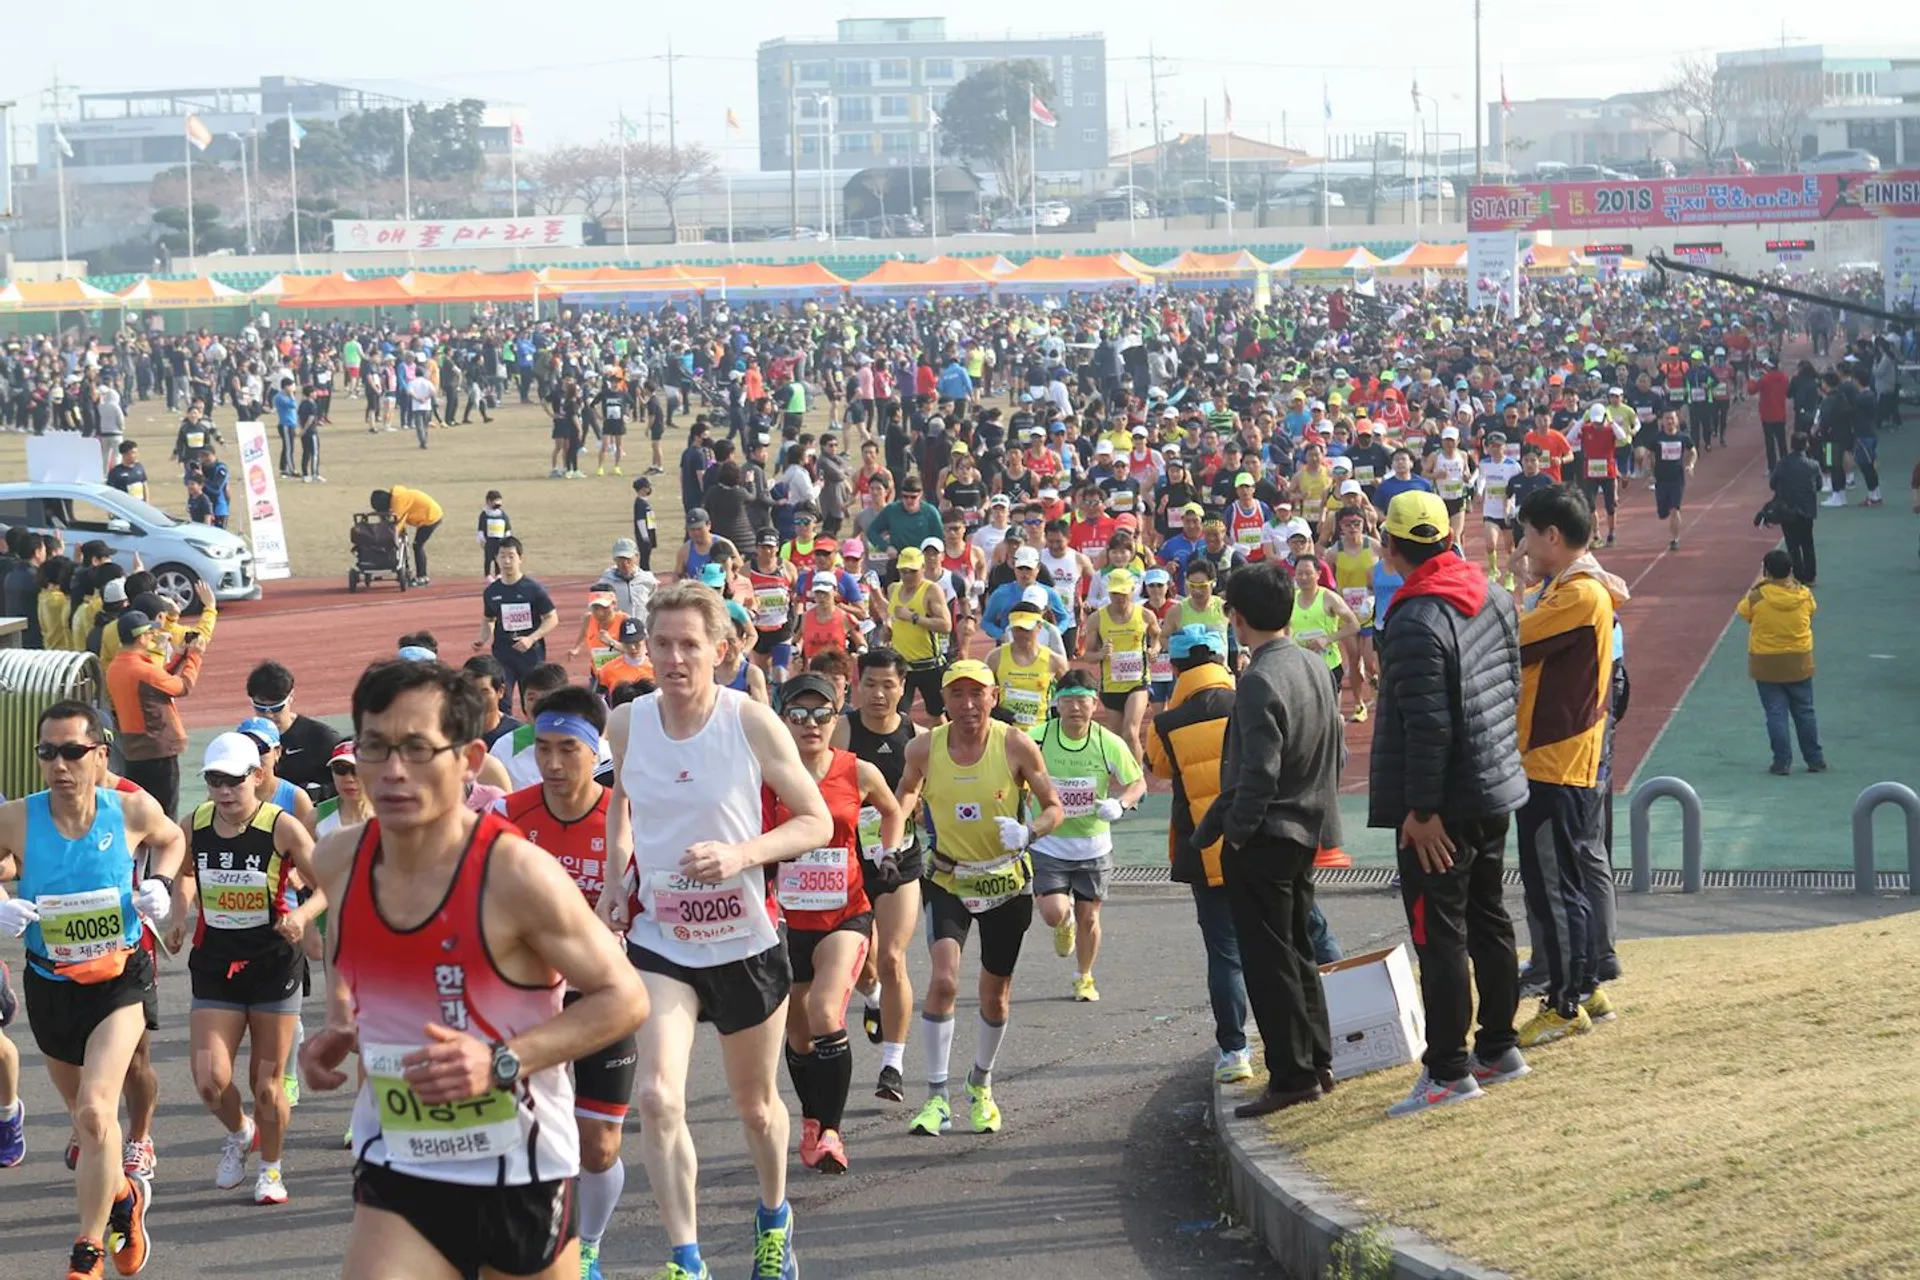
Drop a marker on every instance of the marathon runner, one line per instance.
(1097, 780)
(565, 813)
(974, 775)
(453, 937)
(691, 759)
(89, 984)
(918, 617)
(247, 964)
(1024, 670)
(829, 916)
(1123, 637)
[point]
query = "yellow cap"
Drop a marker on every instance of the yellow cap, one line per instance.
(1120, 582)
(968, 669)
(909, 558)
(1418, 516)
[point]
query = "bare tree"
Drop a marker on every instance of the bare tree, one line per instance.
(1777, 100)
(576, 179)
(1697, 104)
(668, 172)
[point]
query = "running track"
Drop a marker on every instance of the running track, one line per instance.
(1681, 603)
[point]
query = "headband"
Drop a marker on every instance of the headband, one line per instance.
(418, 653)
(1074, 691)
(571, 725)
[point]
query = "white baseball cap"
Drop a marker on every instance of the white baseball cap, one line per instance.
(234, 754)
(1026, 558)
(1450, 433)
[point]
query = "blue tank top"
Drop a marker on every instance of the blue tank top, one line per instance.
(696, 561)
(97, 864)
(1386, 584)
(285, 794)
(739, 680)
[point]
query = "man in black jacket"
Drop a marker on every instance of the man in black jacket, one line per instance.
(1796, 504)
(1446, 775)
(1278, 805)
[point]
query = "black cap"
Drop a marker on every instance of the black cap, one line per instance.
(807, 682)
(768, 538)
(631, 629)
(131, 624)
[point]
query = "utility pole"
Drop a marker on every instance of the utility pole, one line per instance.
(793, 154)
(6, 158)
(56, 105)
(673, 144)
(1153, 97)
(1479, 104)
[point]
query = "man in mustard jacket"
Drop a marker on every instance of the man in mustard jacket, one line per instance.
(1779, 613)
(411, 509)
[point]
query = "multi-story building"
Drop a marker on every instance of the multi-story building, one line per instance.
(130, 137)
(1572, 131)
(869, 89)
(1838, 98)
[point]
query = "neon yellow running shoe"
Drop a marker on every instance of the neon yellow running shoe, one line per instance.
(1083, 989)
(986, 1115)
(1548, 1025)
(1599, 1008)
(933, 1119)
(674, 1271)
(1063, 937)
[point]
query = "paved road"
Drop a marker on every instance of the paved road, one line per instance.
(1105, 1170)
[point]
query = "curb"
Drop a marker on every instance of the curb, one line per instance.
(1301, 1219)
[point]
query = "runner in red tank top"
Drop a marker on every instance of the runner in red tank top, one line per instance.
(453, 938)
(828, 915)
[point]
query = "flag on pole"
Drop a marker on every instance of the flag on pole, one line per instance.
(1038, 110)
(198, 133)
(733, 121)
(627, 127)
(519, 135)
(1506, 103)
(1326, 101)
(1416, 93)
(933, 117)
(294, 131)
(1742, 164)
(406, 124)
(60, 141)
(1229, 100)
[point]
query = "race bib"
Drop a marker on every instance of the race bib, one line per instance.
(1022, 704)
(496, 526)
(815, 881)
(692, 911)
(868, 833)
(479, 1128)
(1416, 444)
(1599, 468)
(1126, 665)
(1160, 669)
(983, 886)
(195, 439)
(1696, 394)
(1247, 535)
(77, 927)
(1496, 490)
(233, 899)
(1363, 474)
(1452, 487)
(770, 608)
(1671, 450)
(516, 616)
(615, 412)
(1077, 796)
(137, 491)
(1360, 600)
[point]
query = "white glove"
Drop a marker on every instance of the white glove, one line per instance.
(1108, 810)
(153, 900)
(16, 914)
(1013, 834)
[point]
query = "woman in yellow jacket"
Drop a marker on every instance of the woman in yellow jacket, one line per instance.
(1779, 613)
(56, 611)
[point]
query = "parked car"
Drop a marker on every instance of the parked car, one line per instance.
(797, 233)
(178, 554)
(1048, 213)
(1851, 160)
(1422, 186)
(1113, 207)
(1297, 199)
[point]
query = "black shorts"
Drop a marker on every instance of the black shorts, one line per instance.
(734, 997)
(657, 431)
(926, 681)
(603, 1079)
(565, 433)
(618, 428)
(64, 1014)
(515, 1230)
(1667, 495)
(766, 642)
(1117, 702)
(913, 865)
(801, 942)
(1001, 930)
(1599, 490)
(270, 984)
(1494, 522)
(1455, 505)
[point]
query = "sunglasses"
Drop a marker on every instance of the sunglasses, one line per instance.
(342, 769)
(809, 715)
(221, 781)
(72, 752)
(268, 708)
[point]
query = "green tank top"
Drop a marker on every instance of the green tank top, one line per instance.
(1213, 617)
(1317, 619)
(1080, 772)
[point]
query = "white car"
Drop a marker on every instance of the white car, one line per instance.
(179, 555)
(1852, 160)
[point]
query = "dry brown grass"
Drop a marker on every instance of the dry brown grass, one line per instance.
(568, 525)
(1753, 1112)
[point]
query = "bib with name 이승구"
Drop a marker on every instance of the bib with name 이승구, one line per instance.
(473, 1128)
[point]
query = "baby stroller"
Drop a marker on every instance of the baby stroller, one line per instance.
(379, 550)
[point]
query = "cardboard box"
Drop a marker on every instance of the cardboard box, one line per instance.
(1374, 1011)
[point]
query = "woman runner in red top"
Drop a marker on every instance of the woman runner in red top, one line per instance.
(828, 915)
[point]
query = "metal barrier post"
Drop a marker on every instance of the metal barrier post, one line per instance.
(1865, 877)
(1692, 875)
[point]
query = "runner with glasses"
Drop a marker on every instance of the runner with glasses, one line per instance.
(89, 985)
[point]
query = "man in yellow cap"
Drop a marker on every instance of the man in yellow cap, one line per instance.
(973, 775)
(1122, 637)
(917, 617)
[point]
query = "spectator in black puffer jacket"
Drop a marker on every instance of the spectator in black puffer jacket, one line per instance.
(1446, 776)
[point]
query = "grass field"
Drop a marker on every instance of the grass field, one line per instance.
(1753, 1112)
(568, 525)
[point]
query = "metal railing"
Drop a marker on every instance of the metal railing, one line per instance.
(31, 680)
(1692, 875)
(1865, 876)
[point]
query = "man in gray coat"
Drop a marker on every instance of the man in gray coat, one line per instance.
(1278, 805)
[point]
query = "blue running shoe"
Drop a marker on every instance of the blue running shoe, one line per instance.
(773, 1256)
(13, 1136)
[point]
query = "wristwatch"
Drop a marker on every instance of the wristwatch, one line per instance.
(506, 1067)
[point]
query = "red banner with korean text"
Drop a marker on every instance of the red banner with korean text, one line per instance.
(1686, 202)
(554, 231)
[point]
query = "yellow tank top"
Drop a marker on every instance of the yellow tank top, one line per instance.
(961, 801)
(1123, 665)
(1025, 689)
(1313, 492)
(1353, 571)
(914, 642)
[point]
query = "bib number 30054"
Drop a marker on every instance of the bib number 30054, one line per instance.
(472, 1129)
(692, 911)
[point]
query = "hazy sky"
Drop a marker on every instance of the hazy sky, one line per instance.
(573, 70)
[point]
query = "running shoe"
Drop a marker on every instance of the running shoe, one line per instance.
(590, 1261)
(986, 1113)
(870, 1019)
(1063, 936)
(1429, 1094)
(137, 1158)
(830, 1154)
(290, 1084)
(269, 1187)
(1599, 1008)
(773, 1257)
(600, 471)
(13, 1136)
(1675, 544)
(1360, 713)
(1083, 989)
(617, 471)
(1233, 1066)
(674, 1271)
(233, 1155)
(891, 1087)
(1533, 980)
(127, 1227)
(1510, 1065)
(1549, 1025)
(346, 1139)
(933, 1119)
(87, 1262)
(809, 1141)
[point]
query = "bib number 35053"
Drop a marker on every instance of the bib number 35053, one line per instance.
(815, 881)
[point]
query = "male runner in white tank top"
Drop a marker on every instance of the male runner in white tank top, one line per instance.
(448, 951)
(690, 760)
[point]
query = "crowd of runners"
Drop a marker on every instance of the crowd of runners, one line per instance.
(910, 663)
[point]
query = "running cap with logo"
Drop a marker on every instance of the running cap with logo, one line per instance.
(968, 669)
(698, 518)
(807, 682)
(1243, 479)
(1024, 616)
(1120, 583)
(909, 558)
(1197, 636)
(713, 575)
(261, 730)
(1026, 558)
(234, 754)
(114, 592)
(626, 547)
(1418, 516)
(632, 629)
(134, 624)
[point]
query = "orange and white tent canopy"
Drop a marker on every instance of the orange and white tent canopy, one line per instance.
(941, 275)
(1091, 271)
(202, 291)
(70, 294)
(1426, 257)
(1328, 261)
(1193, 264)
